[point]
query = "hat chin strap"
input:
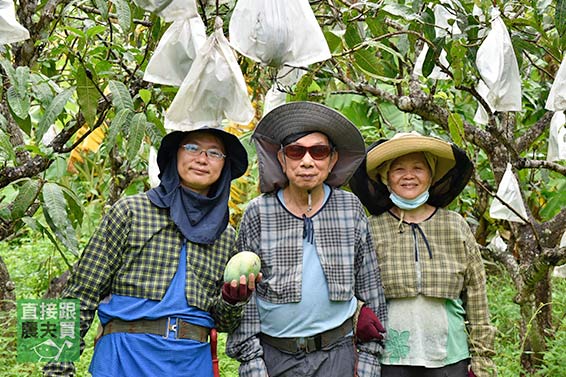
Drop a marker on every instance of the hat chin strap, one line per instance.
(309, 201)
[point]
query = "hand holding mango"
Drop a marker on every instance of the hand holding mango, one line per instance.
(240, 276)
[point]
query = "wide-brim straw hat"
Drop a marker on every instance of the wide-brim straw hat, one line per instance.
(235, 151)
(451, 174)
(300, 117)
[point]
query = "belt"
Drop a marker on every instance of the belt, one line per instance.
(310, 343)
(162, 326)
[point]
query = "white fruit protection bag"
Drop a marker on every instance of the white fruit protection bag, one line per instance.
(556, 101)
(498, 68)
(213, 90)
(557, 138)
(176, 52)
(153, 168)
(10, 29)
(510, 193)
(276, 32)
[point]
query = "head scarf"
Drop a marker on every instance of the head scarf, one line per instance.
(200, 218)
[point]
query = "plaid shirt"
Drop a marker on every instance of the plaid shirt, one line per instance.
(135, 252)
(347, 257)
(454, 269)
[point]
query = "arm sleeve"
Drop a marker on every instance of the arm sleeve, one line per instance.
(482, 333)
(370, 290)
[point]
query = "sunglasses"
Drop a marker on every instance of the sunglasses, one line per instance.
(297, 152)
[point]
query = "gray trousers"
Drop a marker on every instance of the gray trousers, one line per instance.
(336, 360)
(459, 369)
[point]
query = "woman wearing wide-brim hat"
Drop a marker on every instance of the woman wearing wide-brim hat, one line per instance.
(431, 266)
(318, 263)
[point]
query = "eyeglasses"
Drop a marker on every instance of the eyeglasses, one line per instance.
(297, 152)
(195, 150)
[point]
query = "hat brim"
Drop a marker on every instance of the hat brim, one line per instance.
(374, 194)
(387, 150)
(302, 116)
(235, 151)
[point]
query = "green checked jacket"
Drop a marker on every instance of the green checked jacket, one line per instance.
(347, 256)
(453, 270)
(135, 252)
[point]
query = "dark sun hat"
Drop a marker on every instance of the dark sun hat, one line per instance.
(450, 174)
(235, 151)
(300, 118)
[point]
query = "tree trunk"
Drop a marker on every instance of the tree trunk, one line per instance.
(7, 289)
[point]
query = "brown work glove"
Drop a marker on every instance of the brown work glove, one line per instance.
(234, 292)
(369, 327)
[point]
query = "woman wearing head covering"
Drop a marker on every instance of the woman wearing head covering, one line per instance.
(154, 267)
(318, 262)
(432, 270)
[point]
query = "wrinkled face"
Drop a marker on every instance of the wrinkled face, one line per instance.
(306, 172)
(409, 175)
(197, 171)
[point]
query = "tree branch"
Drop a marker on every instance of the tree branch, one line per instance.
(526, 163)
(527, 139)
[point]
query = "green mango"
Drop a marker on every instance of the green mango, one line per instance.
(243, 263)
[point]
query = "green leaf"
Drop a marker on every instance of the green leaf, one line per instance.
(19, 104)
(334, 41)
(377, 25)
(54, 110)
(456, 127)
(432, 56)
(352, 36)
(400, 10)
(6, 149)
(124, 14)
(429, 62)
(121, 120)
(368, 62)
(9, 69)
(301, 92)
(74, 204)
(121, 98)
(137, 132)
(96, 30)
(87, 96)
(54, 210)
(428, 19)
(41, 89)
(145, 95)
(25, 198)
(24, 124)
(102, 6)
(456, 57)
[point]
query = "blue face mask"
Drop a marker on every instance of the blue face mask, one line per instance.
(408, 204)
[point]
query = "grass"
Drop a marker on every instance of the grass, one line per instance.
(33, 263)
